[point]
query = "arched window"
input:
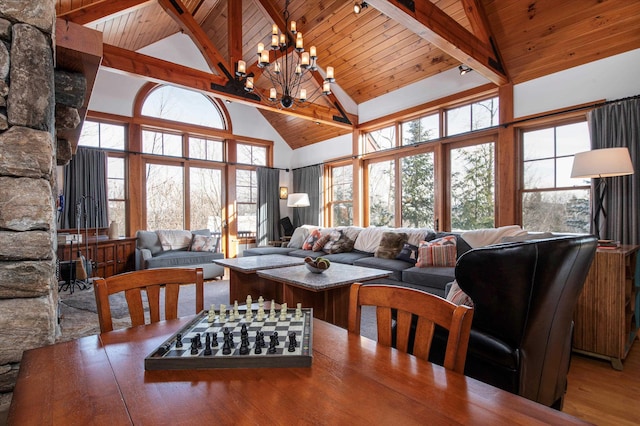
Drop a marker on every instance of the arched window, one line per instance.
(184, 106)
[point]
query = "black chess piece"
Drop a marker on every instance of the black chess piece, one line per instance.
(292, 342)
(258, 348)
(198, 341)
(275, 337)
(244, 346)
(207, 345)
(273, 343)
(179, 340)
(226, 348)
(194, 347)
(214, 340)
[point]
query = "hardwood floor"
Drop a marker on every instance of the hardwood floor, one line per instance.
(599, 394)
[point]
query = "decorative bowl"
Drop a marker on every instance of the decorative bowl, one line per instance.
(314, 269)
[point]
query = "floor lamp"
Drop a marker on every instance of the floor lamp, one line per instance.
(601, 164)
(297, 200)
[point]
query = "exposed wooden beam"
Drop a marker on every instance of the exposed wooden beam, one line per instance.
(153, 69)
(102, 9)
(181, 15)
(435, 26)
(478, 20)
(234, 27)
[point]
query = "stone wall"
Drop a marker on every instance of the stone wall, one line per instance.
(28, 287)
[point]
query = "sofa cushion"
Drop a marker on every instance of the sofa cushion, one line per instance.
(408, 253)
(457, 296)
(369, 239)
(263, 250)
(305, 253)
(438, 252)
(320, 242)
(390, 244)
(348, 258)
(436, 276)
(172, 239)
(181, 258)
(394, 265)
(148, 240)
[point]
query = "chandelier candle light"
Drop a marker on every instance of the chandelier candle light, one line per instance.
(289, 70)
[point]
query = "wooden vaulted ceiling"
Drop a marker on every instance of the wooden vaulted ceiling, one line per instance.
(391, 44)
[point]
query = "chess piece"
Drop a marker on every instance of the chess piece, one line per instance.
(244, 345)
(226, 348)
(198, 341)
(292, 342)
(249, 301)
(272, 345)
(272, 312)
(207, 345)
(249, 314)
(214, 340)
(260, 302)
(223, 313)
(274, 336)
(194, 347)
(179, 340)
(283, 312)
(236, 312)
(212, 313)
(298, 311)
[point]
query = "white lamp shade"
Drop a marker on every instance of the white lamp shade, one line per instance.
(600, 163)
(298, 199)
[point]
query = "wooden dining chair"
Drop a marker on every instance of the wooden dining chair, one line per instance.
(150, 281)
(409, 303)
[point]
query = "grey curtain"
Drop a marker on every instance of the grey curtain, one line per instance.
(268, 215)
(85, 190)
(309, 180)
(611, 126)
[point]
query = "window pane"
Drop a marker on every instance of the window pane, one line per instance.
(90, 135)
(382, 194)
(421, 129)
(161, 143)
(115, 189)
(112, 136)
(251, 154)
(557, 211)
(117, 212)
(341, 192)
(459, 120)
(115, 167)
(380, 139)
(205, 149)
(539, 174)
(472, 187)
(206, 198)
(165, 197)
(485, 114)
(247, 217)
(573, 138)
(185, 106)
(538, 144)
(342, 214)
(418, 193)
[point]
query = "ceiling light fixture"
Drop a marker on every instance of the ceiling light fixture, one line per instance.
(464, 69)
(290, 70)
(357, 7)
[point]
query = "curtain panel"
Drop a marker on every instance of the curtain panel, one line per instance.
(613, 126)
(268, 214)
(309, 180)
(86, 203)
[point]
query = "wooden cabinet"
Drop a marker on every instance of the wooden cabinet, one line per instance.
(605, 324)
(110, 257)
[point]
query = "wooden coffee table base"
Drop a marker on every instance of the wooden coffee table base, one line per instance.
(242, 284)
(328, 305)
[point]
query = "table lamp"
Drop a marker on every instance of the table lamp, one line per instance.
(601, 163)
(298, 199)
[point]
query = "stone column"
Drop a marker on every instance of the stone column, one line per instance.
(28, 286)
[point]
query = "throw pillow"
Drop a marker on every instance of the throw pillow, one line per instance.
(439, 252)
(174, 239)
(342, 245)
(390, 244)
(203, 243)
(457, 296)
(311, 240)
(408, 253)
(320, 242)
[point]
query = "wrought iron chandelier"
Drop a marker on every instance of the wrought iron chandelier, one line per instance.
(289, 71)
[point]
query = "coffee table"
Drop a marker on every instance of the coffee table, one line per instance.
(243, 279)
(326, 293)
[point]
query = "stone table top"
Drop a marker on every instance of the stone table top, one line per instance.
(337, 275)
(251, 264)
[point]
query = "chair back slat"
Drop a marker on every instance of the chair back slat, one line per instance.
(430, 310)
(150, 281)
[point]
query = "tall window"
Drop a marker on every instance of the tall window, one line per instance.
(473, 187)
(382, 193)
(246, 200)
(161, 143)
(252, 154)
(165, 196)
(183, 106)
(551, 199)
(421, 129)
(341, 195)
(418, 192)
(380, 139)
(205, 196)
(111, 137)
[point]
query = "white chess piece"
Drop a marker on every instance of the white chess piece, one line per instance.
(260, 302)
(249, 301)
(223, 312)
(283, 312)
(299, 311)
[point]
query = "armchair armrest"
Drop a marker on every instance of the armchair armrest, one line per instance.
(142, 255)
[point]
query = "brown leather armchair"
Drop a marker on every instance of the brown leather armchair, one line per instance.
(524, 297)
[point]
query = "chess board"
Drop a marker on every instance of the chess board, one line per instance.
(169, 357)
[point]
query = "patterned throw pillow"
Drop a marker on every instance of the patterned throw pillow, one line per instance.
(390, 244)
(439, 252)
(409, 253)
(457, 296)
(203, 243)
(320, 242)
(311, 240)
(339, 243)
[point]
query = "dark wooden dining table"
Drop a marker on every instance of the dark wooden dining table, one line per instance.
(101, 380)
